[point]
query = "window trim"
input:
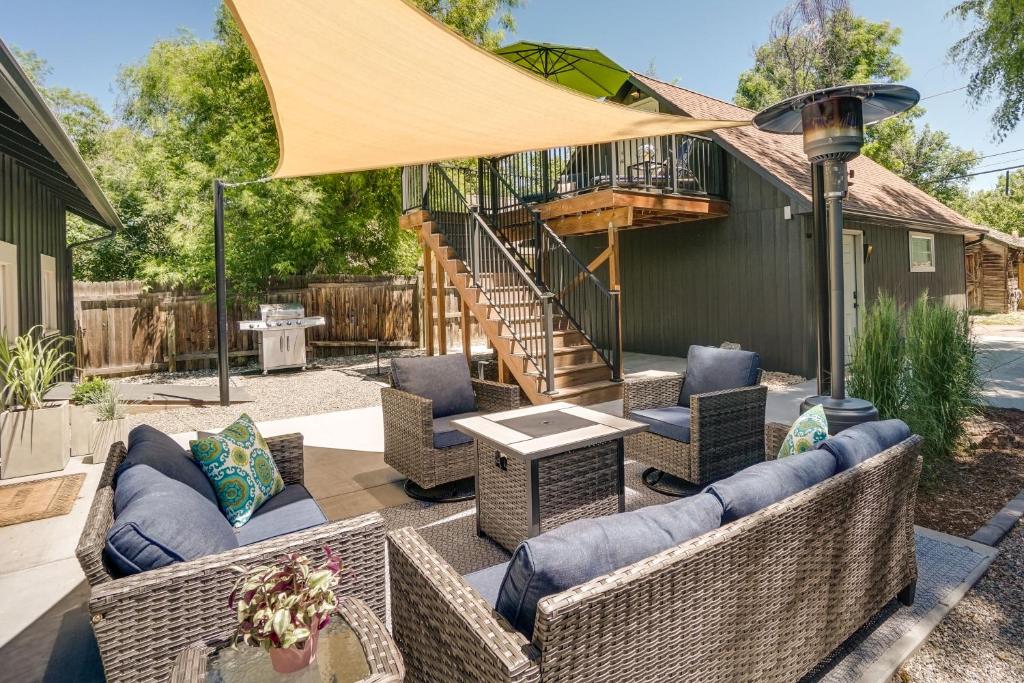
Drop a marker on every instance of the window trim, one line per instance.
(10, 291)
(910, 251)
(48, 265)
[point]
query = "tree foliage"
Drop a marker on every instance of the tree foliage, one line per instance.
(995, 208)
(193, 110)
(816, 44)
(994, 48)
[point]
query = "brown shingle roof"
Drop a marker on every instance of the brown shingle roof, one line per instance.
(874, 189)
(1004, 237)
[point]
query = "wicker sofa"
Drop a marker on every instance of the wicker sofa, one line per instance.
(765, 597)
(419, 441)
(142, 621)
(723, 431)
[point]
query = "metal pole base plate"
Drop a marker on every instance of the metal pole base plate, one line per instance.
(452, 492)
(667, 484)
(842, 413)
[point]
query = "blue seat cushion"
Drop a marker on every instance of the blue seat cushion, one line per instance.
(856, 444)
(149, 446)
(446, 436)
(487, 582)
(579, 551)
(760, 485)
(710, 369)
(293, 509)
(672, 422)
(162, 521)
(443, 379)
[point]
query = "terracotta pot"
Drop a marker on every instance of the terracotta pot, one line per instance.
(105, 433)
(34, 441)
(288, 660)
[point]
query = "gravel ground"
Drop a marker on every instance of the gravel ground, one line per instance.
(328, 385)
(982, 639)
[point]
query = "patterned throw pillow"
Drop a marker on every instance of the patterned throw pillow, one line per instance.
(239, 465)
(807, 432)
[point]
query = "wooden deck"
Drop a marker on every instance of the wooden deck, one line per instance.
(597, 212)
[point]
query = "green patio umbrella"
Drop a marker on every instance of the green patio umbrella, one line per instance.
(583, 69)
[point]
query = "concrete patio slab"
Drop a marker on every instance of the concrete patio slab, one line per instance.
(1001, 361)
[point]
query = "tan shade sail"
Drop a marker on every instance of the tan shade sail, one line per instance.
(361, 84)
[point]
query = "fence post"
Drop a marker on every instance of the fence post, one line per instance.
(675, 165)
(171, 336)
(614, 171)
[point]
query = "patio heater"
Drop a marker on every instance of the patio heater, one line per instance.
(832, 124)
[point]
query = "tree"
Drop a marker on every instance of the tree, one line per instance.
(995, 208)
(482, 21)
(816, 44)
(995, 48)
(923, 156)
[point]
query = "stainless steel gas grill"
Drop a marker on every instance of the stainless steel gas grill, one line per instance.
(282, 335)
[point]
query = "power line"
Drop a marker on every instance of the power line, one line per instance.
(1000, 154)
(945, 92)
(971, 175)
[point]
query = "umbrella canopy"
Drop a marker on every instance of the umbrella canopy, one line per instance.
(365, 84)
(582, 69)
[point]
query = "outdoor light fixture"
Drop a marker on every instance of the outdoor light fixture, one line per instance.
(832, 124)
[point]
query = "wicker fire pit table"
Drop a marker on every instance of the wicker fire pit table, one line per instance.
(543, 466)
(355, 648)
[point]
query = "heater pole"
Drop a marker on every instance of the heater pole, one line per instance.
(835, 189)
(222, 291)
(819, 236)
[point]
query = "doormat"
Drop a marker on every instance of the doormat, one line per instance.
(39, 499)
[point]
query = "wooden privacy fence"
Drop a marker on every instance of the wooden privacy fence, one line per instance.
(121, 329)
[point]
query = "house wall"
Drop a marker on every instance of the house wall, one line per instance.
(740, 279)
(888, 268)
(34, 220)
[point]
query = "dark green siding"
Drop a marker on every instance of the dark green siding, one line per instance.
(738, 279)
(888, 269)
(34, 220)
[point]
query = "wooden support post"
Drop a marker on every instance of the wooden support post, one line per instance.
(467, 346)
(613, 258)
(170, 330)
(502, 370)
(442, 312)
(428, 308)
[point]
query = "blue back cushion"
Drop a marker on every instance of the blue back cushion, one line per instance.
(159, 521)
(854, 445)
(760, 485)
(577, 552)
(443, 379)
(710, 369)
(151, 447)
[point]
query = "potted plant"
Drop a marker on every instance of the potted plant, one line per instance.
(283, 607)
(82, 412)
(110, 425)
(34, 434)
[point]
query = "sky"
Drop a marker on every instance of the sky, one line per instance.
(705, 44)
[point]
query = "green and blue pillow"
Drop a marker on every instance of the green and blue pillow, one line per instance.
(238, 463)
(807, 432)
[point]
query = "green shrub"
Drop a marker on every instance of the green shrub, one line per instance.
(30, 367)
(879, 367)
(920, 366)
(89, 391)
(944, 385)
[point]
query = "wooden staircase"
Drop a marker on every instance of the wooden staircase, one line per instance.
(580, 374)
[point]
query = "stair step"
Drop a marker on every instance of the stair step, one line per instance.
(576, 375)
(590, 393)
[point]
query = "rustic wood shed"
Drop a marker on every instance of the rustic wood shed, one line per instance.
(994, 266)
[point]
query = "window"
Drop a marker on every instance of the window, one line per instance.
(922, 252)
(8, 290)
(48, 291)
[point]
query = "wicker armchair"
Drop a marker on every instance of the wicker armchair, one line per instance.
(727, 431)
(764, 598)
(142, 621)
(409, 438)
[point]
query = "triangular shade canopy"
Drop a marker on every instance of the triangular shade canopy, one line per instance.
(362, 84)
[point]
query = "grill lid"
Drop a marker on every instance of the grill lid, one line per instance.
(281, 311)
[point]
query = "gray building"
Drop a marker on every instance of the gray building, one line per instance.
(42, 178)
(747, 276)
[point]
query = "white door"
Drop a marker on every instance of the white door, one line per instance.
(853, 281)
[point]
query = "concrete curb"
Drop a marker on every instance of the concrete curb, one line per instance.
(995, 530)
(883, 668)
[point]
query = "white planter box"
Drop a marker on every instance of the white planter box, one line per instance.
(82, 419)
(34, 441)
(105, 434)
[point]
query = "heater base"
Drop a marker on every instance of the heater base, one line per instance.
(842, 413)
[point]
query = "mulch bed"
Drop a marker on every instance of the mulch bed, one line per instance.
(965, 492)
